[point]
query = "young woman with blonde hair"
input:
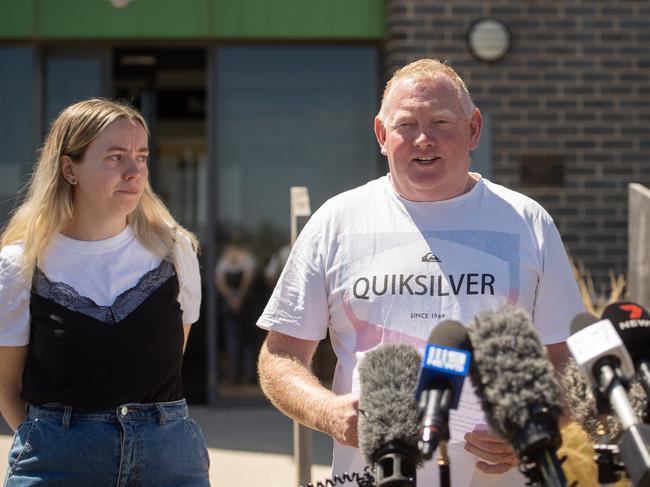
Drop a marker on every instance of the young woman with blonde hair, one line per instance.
(98, 288)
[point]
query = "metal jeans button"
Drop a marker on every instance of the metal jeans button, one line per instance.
(124, 410)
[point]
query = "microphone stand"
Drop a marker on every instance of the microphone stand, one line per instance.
(444, 465)
(536, 446)
(634, 443)
(607, 466)
(606, 452)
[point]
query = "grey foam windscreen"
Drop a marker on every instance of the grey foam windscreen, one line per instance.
(388, 411)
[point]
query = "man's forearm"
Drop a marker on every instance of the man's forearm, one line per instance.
(558, 355)
(294, 389)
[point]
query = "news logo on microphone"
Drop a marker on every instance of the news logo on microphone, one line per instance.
(445, 364)
(449, 363)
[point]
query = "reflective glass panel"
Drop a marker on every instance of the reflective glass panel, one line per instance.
(68, 79)
(284, 116)
(17, 123)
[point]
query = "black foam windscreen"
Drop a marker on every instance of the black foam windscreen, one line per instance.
(582, 404)
(632, 322)
(581, 321)
(511, 372)
(388, 411)
(450, 333)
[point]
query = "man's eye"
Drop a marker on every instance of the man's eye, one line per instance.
(405, 124)
(143, 159)
(115, 157)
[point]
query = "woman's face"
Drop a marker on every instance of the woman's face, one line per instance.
(110, 178)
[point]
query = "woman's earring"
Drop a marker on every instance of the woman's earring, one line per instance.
(72, 181)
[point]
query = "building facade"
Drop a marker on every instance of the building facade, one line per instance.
(569, 104)
(246, 98)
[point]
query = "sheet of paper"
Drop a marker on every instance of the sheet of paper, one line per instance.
(467, 416)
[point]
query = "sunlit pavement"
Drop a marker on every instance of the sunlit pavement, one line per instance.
(252, 446)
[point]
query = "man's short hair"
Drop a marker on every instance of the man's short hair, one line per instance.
(431, 69)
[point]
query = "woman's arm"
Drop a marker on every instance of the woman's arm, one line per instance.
(222, 287)
(12, 363)
(244, 284)
(186, 334)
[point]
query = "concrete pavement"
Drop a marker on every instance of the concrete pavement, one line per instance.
(248, 445)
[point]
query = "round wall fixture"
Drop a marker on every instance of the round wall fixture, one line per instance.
(489, 39)
(120, 3)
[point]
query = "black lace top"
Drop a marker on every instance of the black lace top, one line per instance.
(97, 357)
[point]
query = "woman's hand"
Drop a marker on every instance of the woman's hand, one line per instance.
(12, 363)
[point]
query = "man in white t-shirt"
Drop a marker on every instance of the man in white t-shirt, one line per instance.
(385, 262)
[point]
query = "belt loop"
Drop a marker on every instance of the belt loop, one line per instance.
(163, 415)
(67, 412)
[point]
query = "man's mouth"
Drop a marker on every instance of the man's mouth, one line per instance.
(425, 159)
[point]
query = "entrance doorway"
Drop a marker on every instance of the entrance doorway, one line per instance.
(169, 87)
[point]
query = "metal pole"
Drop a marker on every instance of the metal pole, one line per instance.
(302, 444)
(638, 260)
(211, 181)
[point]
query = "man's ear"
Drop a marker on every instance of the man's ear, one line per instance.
(68, 170)
(380, 133)
(475, 128)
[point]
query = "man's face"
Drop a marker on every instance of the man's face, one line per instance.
(427, 135)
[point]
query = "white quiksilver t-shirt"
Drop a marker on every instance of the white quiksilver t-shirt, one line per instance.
(374, 268)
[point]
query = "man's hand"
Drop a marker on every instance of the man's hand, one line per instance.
(344, 416)
(499, 455)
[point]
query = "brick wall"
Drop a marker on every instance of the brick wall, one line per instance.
(575, 83)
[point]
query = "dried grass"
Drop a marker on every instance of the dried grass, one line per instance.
(596, 300)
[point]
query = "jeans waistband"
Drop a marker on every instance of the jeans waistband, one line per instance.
(159, 411)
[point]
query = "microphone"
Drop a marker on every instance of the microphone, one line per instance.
(444, 367)
(388, 414)
(632, 322)
(582, 403)
(515, 382)
(606, 364)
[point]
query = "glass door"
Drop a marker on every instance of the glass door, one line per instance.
(19, 132)
(283, 116)
(70, 76)
(168, 86)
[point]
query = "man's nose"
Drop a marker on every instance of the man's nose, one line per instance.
(424, 138)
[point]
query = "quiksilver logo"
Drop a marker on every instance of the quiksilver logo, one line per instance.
(421, 285)
(430, 257)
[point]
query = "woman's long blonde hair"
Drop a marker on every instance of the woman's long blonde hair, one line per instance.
(48, 204)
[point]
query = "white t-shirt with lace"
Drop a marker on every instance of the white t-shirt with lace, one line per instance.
(100, 270)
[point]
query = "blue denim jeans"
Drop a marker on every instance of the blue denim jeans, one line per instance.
(134, 445)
